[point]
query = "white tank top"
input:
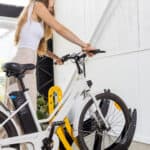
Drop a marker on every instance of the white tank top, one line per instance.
(31, 32)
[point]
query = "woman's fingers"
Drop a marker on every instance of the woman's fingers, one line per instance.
(88, 47)
(59, 62)
(89, 54)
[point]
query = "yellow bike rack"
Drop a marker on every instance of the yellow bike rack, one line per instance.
(51, 97)
(54, 92)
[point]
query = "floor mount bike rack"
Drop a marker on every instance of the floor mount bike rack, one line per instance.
(125, 139)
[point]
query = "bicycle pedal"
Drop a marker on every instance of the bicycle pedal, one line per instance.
(47, 144)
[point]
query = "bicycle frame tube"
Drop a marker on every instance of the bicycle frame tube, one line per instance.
(73, 102)
(74, 89)
(99, 110)
(34, 138)
(13, 114)
(6, 113)
(28, 102)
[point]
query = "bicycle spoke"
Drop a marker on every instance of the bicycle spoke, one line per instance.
(115, 116)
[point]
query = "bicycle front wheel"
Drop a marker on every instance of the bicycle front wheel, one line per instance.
(93, 135)
(8, 130)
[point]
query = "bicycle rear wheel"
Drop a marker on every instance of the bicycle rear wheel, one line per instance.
(92, 133)
(8, 130)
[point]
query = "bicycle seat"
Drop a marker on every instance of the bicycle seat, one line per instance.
(13, 69)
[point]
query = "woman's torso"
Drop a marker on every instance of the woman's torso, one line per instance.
(31, 32)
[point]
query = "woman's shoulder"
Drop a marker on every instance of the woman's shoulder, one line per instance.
(39, 5)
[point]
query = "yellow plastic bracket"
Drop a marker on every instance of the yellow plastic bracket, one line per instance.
(60, 133)
(70, 130)
(51, 97)
(53, 91)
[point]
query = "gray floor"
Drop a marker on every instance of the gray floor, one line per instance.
(134, 146)
(139, 146)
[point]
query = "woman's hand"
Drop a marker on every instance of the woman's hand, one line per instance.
(58, 61)
(88, 48)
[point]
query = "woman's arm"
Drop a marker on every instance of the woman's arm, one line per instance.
(54, 57)
(47, 17)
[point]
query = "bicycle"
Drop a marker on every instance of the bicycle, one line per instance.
(92, 117)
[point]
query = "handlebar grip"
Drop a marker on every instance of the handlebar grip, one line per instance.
(65, 58)
(96, 51)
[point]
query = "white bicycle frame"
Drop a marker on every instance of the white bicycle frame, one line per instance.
(74, 95)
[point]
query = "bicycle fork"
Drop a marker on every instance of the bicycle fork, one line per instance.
(102, 119)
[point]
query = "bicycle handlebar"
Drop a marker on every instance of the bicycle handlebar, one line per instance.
(78, 56)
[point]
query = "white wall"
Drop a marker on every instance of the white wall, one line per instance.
(124, 31)
(7, 28)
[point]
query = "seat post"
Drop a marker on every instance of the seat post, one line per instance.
(20, 78)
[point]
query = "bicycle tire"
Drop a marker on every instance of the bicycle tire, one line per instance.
(103, 97)
(9, 129)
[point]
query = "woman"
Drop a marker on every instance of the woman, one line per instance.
(33, 31)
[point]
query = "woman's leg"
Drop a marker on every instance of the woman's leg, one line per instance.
(30, 83)
(24, 56)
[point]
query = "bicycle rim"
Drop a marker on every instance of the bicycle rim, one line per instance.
(92, 133)
(8, 130)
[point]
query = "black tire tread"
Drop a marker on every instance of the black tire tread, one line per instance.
(104, 95)
(10, 128)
